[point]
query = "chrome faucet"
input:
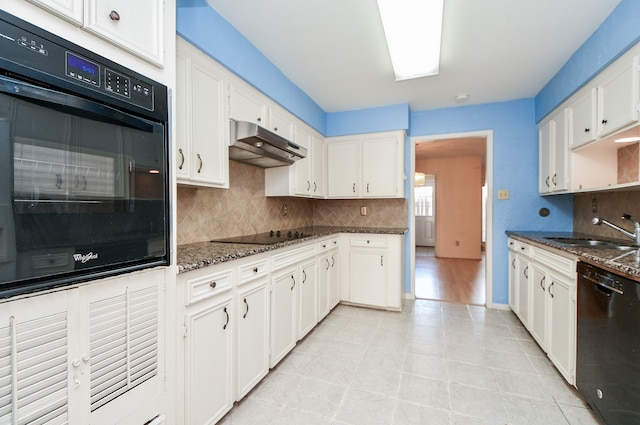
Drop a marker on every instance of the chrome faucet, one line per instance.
(636, 227)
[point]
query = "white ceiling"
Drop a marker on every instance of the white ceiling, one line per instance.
(494, 50)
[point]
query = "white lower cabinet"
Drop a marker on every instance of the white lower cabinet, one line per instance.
(551, 306)
(252, 317)
(307, 298)
(91, 354)
(283, 313)
(561, 338)
(519, 286)
(209, 360)
(375, 275)
(328, 290)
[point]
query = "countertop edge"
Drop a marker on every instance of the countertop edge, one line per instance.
(626, 263)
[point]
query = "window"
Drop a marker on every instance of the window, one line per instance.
(424, 201)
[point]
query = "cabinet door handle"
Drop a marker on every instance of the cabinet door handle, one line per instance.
(542, 283)
(587, 130)
(181, 162)
(327, 260)
(308, 185)
(227, 314)
(547, 181)
(315, 187)
(293, 285)
(201, 163)
(604, 122)
(244, 316)
(526, 272)
(333, 261)
(259, 119)
(381, 261)
(275, 128)
(354, 188)
(553, 179)
(304, 276)
(367, 187)
(513, 263)
(114, 16)
(550, 292)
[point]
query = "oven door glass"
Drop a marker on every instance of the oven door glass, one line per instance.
(84, 188)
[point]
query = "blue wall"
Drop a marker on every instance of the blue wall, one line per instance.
(619, 32)
(386, 118)
(515, 167)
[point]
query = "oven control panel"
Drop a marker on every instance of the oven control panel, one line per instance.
(38, 55)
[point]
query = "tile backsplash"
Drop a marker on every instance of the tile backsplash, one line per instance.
(610, 206)
(204, 214)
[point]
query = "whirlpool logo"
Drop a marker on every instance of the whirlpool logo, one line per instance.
(83, 258)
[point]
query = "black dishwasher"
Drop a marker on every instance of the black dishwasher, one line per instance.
(608, 356)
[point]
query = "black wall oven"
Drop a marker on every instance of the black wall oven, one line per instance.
(83, 164)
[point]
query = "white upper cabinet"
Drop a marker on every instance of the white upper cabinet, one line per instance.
(305, 177)
(618, 97)
(247, 105)
(202, 156)
(554, 167)
(604, 110)
(135, 26)
(366, 166)
(281, 122)
(582, 117)
(71, 10)
(343, 168)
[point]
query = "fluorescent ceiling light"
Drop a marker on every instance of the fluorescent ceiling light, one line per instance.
(413, 29)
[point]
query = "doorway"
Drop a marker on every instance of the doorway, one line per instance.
(449, 260)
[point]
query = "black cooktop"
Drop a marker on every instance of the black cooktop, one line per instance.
(267, 238)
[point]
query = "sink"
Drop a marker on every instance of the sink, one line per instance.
(592, 243)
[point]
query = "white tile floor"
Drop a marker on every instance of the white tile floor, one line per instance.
(435, 363)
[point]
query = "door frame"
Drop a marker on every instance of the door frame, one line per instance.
(488, 135)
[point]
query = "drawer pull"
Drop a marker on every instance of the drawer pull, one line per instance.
(227, 314)
(114, 16)
(213, 284)
(255, 270)
(182, 157)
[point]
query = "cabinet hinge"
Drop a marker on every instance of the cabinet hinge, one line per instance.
(185, 331)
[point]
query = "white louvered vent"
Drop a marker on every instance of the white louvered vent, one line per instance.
(33, 371)
(124, 343)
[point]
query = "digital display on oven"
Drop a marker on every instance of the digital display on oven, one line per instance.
(82, 64)
(82, 69)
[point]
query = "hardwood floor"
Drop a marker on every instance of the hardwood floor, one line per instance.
(449, 279)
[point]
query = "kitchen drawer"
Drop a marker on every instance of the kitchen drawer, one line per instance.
(253, 270)
(519, 246)
(327, 244)
(558, 263)
(294, 256)
(369, 241)
(207, 285)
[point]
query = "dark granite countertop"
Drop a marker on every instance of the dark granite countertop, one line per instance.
(203, 254)
(625, 262)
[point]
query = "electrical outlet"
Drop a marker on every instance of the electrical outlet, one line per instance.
(503, 194)
(363, 210)
(594, 205)
(285, 210)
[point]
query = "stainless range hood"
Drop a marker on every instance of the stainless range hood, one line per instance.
(258, 146)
